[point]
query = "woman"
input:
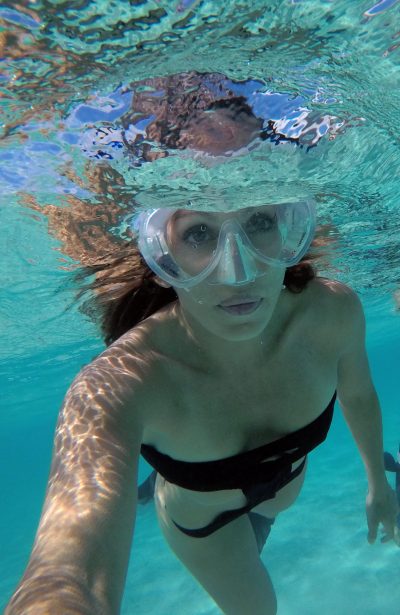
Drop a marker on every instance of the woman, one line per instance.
(224, 383)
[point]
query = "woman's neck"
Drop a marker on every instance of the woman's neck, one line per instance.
(227, 357)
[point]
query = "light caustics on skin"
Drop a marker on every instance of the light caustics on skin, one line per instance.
(89, 468)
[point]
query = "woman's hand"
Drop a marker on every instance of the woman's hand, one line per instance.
(381, 507)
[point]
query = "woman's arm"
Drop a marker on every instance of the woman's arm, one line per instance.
(360, 405)
(81, 551)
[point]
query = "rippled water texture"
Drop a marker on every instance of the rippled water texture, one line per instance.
(89, 95)
(82, 85)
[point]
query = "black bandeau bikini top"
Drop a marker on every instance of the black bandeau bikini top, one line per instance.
(246, 468)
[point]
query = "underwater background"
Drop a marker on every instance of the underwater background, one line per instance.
(329, 71)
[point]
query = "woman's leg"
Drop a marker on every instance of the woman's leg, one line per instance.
(226, 563)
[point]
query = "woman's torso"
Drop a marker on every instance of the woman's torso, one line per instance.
(194, 413)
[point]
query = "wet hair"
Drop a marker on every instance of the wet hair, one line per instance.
(123, 292)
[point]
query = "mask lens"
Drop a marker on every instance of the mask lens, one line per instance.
(192, 238)
(186, 246)
(261, 227)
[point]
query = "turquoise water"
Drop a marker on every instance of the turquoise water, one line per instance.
(64, 73)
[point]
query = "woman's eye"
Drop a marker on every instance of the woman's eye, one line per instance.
(197, 234)
(260, 223)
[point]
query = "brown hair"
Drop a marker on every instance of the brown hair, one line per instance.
(117, 289)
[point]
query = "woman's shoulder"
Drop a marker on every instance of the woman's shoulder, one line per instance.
(332, 291)
(125, 378)
(138, 355)
(335, 301)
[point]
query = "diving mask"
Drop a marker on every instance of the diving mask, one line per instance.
(184, 246)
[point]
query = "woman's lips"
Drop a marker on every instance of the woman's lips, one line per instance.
(244, 307)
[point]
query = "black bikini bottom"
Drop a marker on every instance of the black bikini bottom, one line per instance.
(255, 494)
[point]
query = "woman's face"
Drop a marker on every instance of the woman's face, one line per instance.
(235, 312)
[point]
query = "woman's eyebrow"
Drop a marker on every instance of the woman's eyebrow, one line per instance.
(245, 213)
(189, 214)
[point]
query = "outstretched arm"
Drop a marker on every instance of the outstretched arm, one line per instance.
(81, 551)
(361, 410)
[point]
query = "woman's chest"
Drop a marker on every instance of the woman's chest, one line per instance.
(203, 416)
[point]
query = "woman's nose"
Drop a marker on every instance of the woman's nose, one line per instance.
(236, 265)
